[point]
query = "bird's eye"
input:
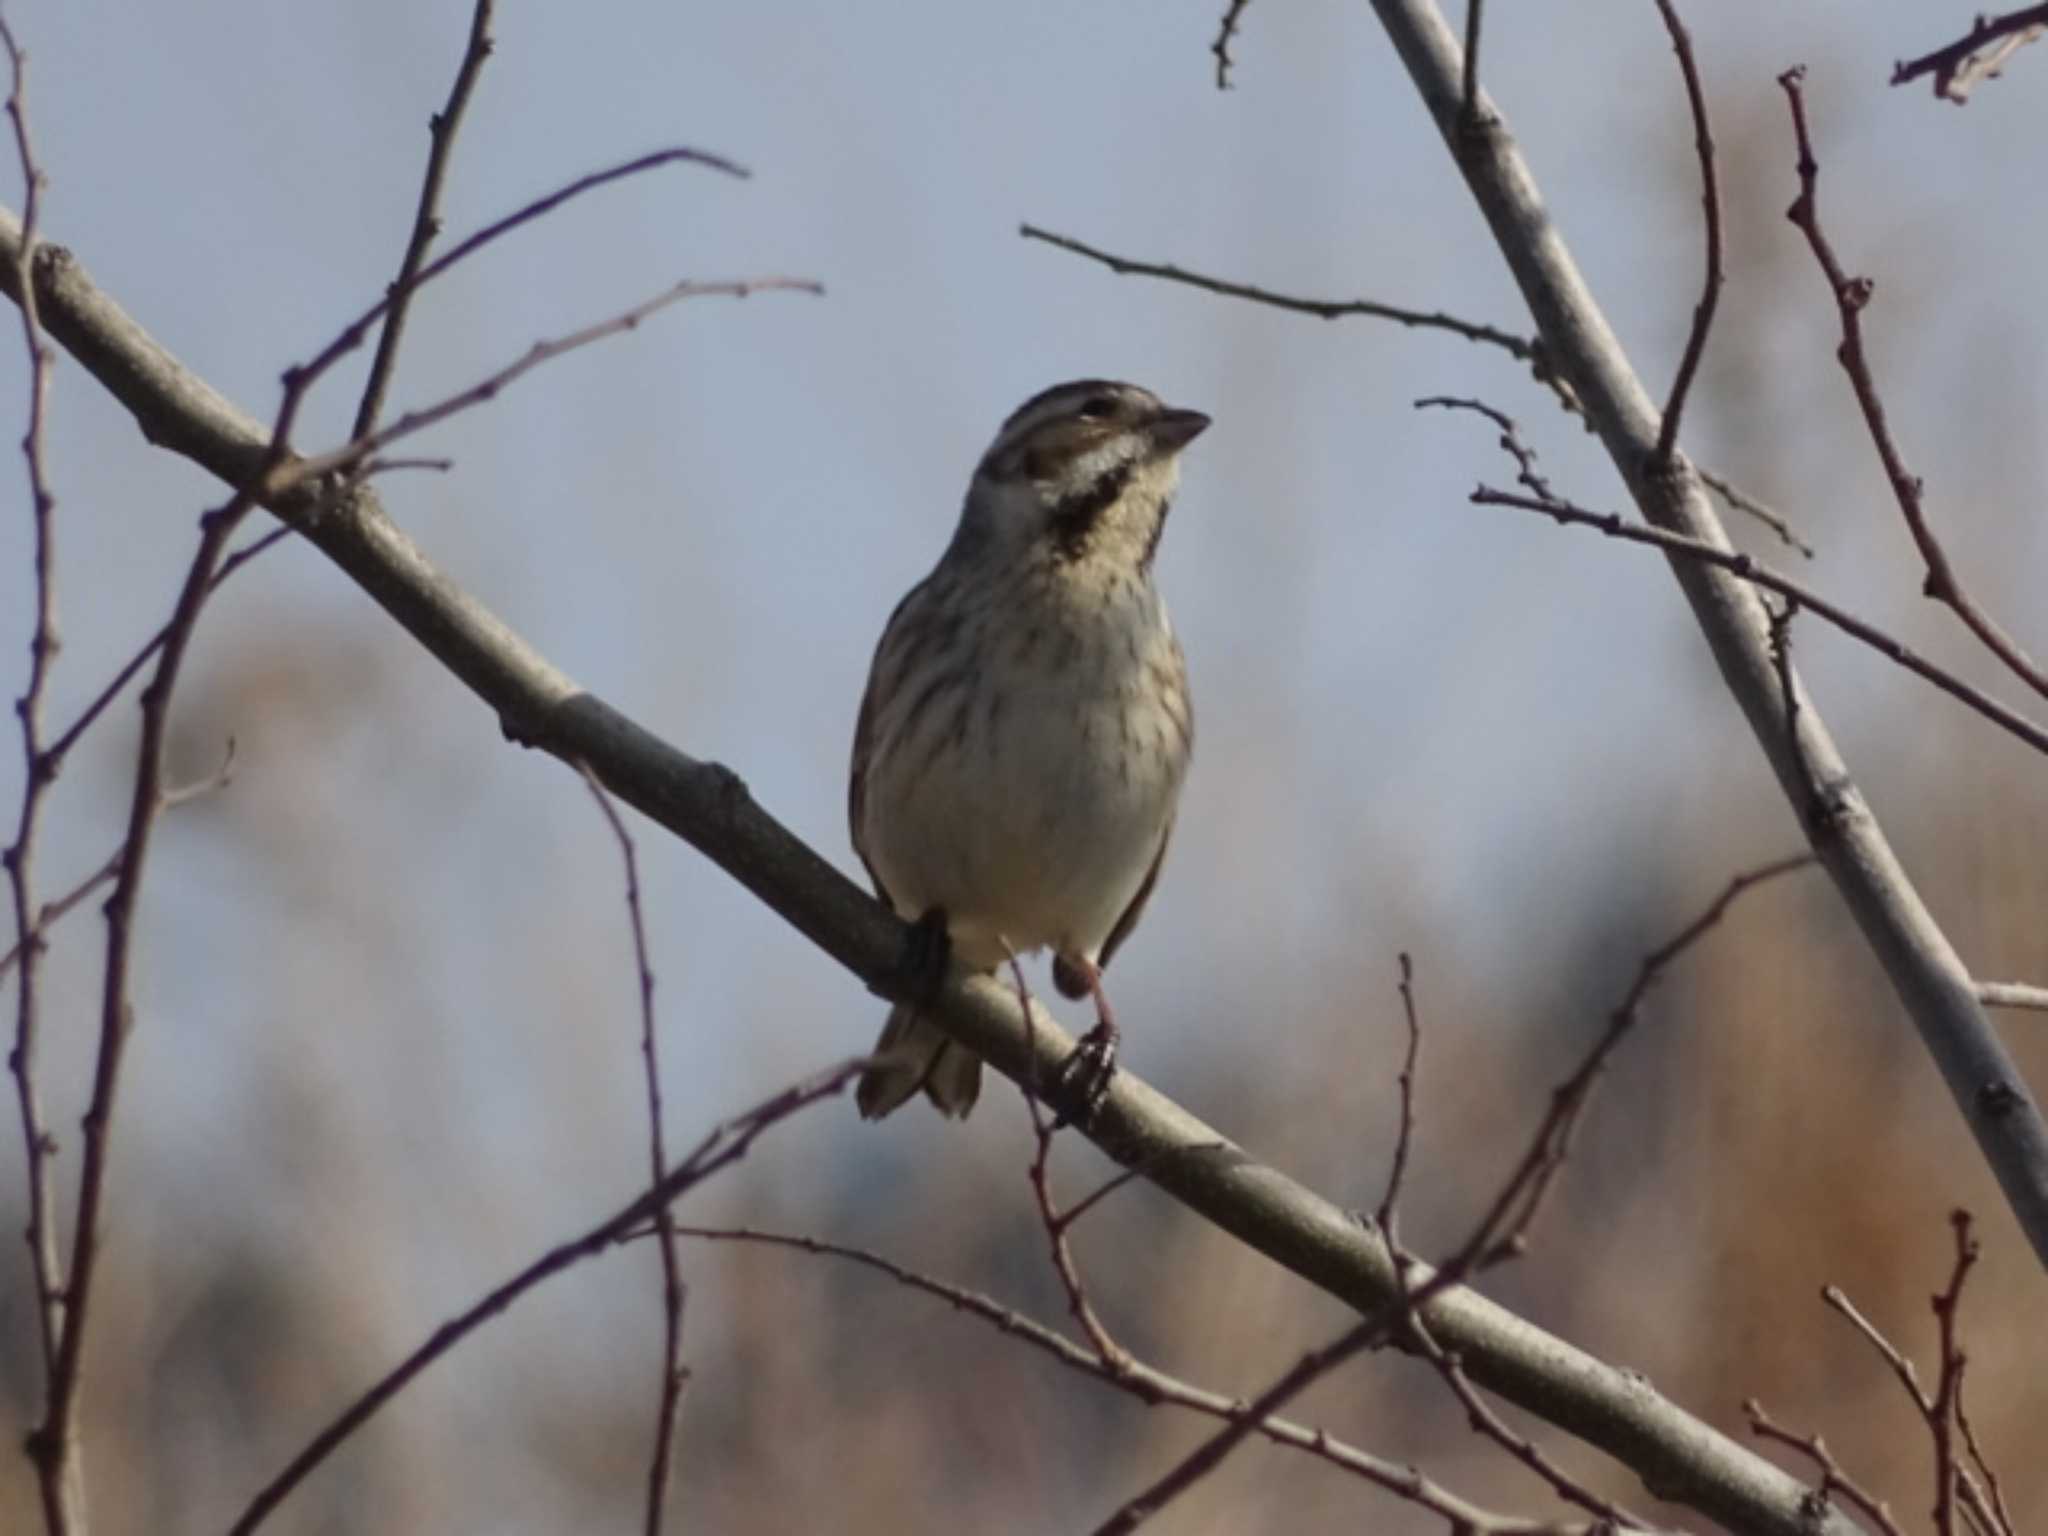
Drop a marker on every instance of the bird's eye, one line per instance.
(1097, 408)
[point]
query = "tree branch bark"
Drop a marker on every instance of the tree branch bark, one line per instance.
(1925, 971)
(706, 804)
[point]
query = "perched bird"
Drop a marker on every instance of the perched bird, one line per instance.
(1026, 726)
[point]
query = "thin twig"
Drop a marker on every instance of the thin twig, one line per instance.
(54, 1442)
(357, 330)
(1405, 1134)
(2000, 1515)
(1833, 1479)
(1502, 1233)
(1976, 56)
(1710, 200)
(726, 1144)
(1519, 347)
(673, 1374)
(60, 1486)
(1065, 1266)
(1153, 1386)
(1225, 31)
(61, 747)
(426, 224)
(1739, 500)
(1851, 295)
(1511, 442)
(1942, 1414)
(1614, 526)
(359, 449)
(2012, 994)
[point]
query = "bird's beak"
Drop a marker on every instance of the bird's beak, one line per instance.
(1174, 430)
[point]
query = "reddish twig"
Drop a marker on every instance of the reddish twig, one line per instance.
(1056, 1225)
(355, 452)
(61, 747)
(1710, 200)
(1833, 1479)
(1956, 1484)
(357, 330)
(1154, 1387)
(60, 1489)
(1976, 56)
(53, 1444)
(426, 224)
(1752, 570)
(673, 1293)
(726, 1144)
(1405, 1134)
(1852, 295)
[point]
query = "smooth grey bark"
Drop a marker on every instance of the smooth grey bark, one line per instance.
(1925, 971)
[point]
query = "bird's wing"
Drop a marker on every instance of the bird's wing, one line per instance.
(1129, 920)
(864, 745)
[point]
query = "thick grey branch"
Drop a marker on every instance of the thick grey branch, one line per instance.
(1923, 966)
(708, 806)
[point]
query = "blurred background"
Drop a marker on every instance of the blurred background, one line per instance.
(386, 1038)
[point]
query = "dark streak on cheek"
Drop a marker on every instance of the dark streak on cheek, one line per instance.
(1073, 520)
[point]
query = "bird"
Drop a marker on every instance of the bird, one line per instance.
(1026, 728)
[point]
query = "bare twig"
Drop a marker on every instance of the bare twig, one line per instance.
(1957, 1485)
(61, 747)
(1152, 1386)
(359, 449)
(1833, 1479)
(673, 1293)
(53, 1444)
(426, 224)
(2012, 994)
(1976, 56)
(1851, 295)
(1739, 500)
(726, 1144)
(1614, 526)
(59, 1484)
(1526, 470)
(1475, 16)
(1405, 1134)
(1057, 1226)
(1710, 201)
(1226, 29)
(2000, 1516)
(1502, 1233)
(354, 333)
(1518, 347)
(1942, 1411)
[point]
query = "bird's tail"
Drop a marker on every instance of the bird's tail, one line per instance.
(912, 1054)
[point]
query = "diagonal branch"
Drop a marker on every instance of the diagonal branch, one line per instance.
(1710, 202)
(1852, 295)
(708, 806)
(426, 224)
(1925, 971)
(1976, 56)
